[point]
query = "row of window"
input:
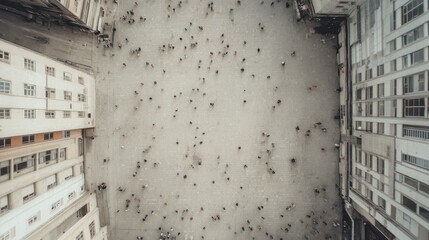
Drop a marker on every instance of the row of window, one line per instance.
(27, 139)
(30, 90)
(411, 83)
(413, 183)
(416, 161)
(412, 206)
(408, 60)
(373, 162)
(28, 193)
(417, 132)
(31, 65)
(21, 164)
(5, 113)
(368, 193)
(414, 107)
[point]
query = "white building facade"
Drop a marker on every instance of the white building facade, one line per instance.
(45, 106)
(388, 148)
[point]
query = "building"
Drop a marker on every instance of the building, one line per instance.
(332, 7)
(45, 107)
(89, 11)
(384, 157)
(84, 14)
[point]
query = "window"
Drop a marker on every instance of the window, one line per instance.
(6, 236)
(49, 114)
(28, 192)
(4, 86)
(4, 168)
(29, 113)
(81, 114)
(50, 71)
(410, 182)
(380, 166)
(50, 92)
(392, 45)
(380, 70)
(411, 10)
(4, 56)
(27, 139)
(380, 108)
(380, 128)
(393, 65)
(424, 188)
(23, 162)
(359, 77)
(368, 91)
(81, 80)
(381, 203)
(57, 204)
(381, 186)
(51, 182)
(68, 174)
(5, 142)
(63, 154)
(414, 107)
(419, 162)
(394, 108)
(92, 229)
(48, 136)
(368, 74)
(66, 114)
(380, 88)
(29, 64)
(359, 94)
(412, 35)
(33, 219)
(81, 97)
(414, 83)
(29, 89)
(66, 134)
(67, 76)
(4, 204)
(416, 57)
(416, 132)
(408, 203)
(79, 236)
(72, 195)
(424, 213)
(4, 113)
(67, 95)
(368, 108)
(47, 156)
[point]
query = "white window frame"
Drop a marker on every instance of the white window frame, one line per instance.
(4, 56)
(67, 76)
(29, 89)
(49, 114)
(66, 114)
(50, 92)
(5, 86)
(50, 71)
(29, 113)
(68, 95)
(4, 113)
(29, 64)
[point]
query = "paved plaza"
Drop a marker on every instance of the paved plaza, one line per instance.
(215, 120)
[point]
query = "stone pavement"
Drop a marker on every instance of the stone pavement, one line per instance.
(196, 131)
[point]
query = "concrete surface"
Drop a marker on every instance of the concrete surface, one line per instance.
(170, 123)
